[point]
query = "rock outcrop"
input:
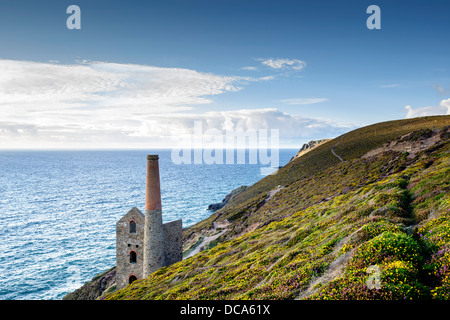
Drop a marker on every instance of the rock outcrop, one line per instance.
(228, 197)
(413, 142)
(309, 146)
(100, 285)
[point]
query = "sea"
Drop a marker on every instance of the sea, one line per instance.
(58, 209)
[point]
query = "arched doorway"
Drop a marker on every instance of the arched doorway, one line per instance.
(131, 279)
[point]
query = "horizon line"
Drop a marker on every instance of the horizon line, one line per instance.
(129, 149)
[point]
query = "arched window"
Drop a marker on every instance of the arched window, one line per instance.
(132, 257)
(131, 279)
(132, 226)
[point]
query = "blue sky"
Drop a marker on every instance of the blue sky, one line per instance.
(138, 73)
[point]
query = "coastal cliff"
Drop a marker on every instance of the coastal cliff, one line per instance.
(228, 197)
(101, 284)
(316, 228)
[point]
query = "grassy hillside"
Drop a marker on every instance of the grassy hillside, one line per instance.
(331, 223)
(351, 145)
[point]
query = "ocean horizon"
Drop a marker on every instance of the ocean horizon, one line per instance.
(59, 208)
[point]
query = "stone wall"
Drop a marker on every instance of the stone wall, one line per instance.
(154, 257)
(127, 242)
(173, 241)
(156, 245)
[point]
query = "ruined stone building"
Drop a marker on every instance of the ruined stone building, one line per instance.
(143, 243)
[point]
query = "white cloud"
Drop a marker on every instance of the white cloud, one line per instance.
(109, 105)
(62, 99)
(168, 130)
(442, 109)
(303, 101)
(266, 78)
(283, 63)
(250, 68)
(441, 89)
(34, 87)
(292, 128)
(393, 85)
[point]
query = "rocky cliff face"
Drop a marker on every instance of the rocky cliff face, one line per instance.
(309, 146)
(228, 197)
(100, 285)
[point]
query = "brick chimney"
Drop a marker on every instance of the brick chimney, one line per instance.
(153, 190)
(154, 255)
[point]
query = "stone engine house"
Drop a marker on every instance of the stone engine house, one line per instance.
(143, 243)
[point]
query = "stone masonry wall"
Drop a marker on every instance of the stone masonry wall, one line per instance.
(127, 242)
(173, 241)
(154, 256)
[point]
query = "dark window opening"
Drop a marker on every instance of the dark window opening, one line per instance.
(132, 257)
(137, 246)
(131, 279)
(132, 227)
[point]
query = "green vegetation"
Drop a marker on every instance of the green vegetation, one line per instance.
(317, 237)
(353, 145)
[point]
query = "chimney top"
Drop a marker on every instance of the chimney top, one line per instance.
(152, 157)
(152, 190)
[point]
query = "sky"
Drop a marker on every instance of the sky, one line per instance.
(140, 74)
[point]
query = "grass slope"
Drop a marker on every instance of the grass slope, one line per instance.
(352, 145)
(318, 237)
